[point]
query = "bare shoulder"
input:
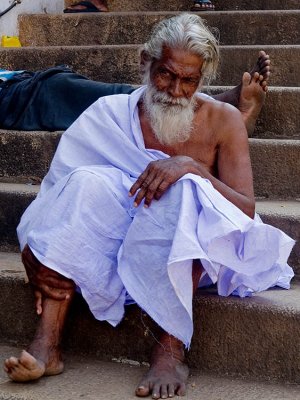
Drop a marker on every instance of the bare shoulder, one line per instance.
(221, 117)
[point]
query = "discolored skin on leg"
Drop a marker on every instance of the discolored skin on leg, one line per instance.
(249, 95)
(43, 356)
(101, 5)
(168, 373)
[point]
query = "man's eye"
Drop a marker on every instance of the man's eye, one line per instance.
(190, 80)
(164, 72)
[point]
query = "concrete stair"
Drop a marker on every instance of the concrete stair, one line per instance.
(230, 333)
(256, 337)
(119, 63)
(184, 5)
(120, 377)
(267, 27)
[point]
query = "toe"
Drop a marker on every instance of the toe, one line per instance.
(27, 360)
(143, 389)
(156, 392)
(164, 391)
(181, 390)
(262, 53)
(246, 78)
(12, 362)
(171, 390)
(256, 77)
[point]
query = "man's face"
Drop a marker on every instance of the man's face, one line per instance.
(170, 99)
(177, 73)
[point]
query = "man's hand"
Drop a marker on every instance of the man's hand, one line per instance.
(158, 177)
(44, 280)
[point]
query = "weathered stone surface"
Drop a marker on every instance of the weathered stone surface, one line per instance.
(285, 215)
(87, 377)
(14, 199)
(279, 118)
(275, 27)
(121, 63)
(273, 176)
(184, 5)
(255, 337)
(276, 166)
(26, 155)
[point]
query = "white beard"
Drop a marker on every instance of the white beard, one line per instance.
(170, 118)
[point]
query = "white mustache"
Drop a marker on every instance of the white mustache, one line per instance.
(164, 98)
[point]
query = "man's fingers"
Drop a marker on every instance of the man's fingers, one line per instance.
(53, 293)
(56, 282)
(139, 197)
(151, 191)
(138, 184)
(145, 179)
(161, 189)
(38, 302)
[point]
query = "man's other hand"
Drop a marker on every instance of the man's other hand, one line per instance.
(158, 177)
(49, 283)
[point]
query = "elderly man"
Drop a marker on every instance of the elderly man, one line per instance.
(153, 198)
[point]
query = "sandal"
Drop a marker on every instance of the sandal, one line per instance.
(89, 7)
(203, 5)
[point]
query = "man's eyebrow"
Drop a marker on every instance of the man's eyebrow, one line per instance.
(169, 69)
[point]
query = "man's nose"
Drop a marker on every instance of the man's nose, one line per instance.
(175, 88)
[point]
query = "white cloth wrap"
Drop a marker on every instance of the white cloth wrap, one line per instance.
(84, 226)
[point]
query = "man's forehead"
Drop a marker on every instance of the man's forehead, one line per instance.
(180, 58)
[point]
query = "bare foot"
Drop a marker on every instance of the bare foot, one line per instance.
(263, 67)
(168, 373)
(28, 367)
(252, 98)
(101, 5)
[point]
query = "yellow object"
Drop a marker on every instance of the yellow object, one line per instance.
(10, 41)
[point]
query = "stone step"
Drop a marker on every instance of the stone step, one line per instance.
(87, 377)
(184, 5)
(235, 27)
(251, 337)
(14, 199)
(121, 63)
(276, 166)
(274, 177)
(282, 102)
(26, 155)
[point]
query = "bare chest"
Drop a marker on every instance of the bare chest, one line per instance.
(202, 145)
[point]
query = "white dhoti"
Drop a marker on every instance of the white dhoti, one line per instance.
(84, 226)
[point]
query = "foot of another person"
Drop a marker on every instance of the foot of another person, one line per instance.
(167, 375)
(253, 91)
(252, 97)
(40, 360)
(202, 5)
(88, 6)
(263, 67)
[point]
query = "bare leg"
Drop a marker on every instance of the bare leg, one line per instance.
(168, 372)
(43, 356)
(101, 5)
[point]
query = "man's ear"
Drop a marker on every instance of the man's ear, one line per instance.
(145, 58)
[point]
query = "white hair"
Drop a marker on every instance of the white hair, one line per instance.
(187, 32)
